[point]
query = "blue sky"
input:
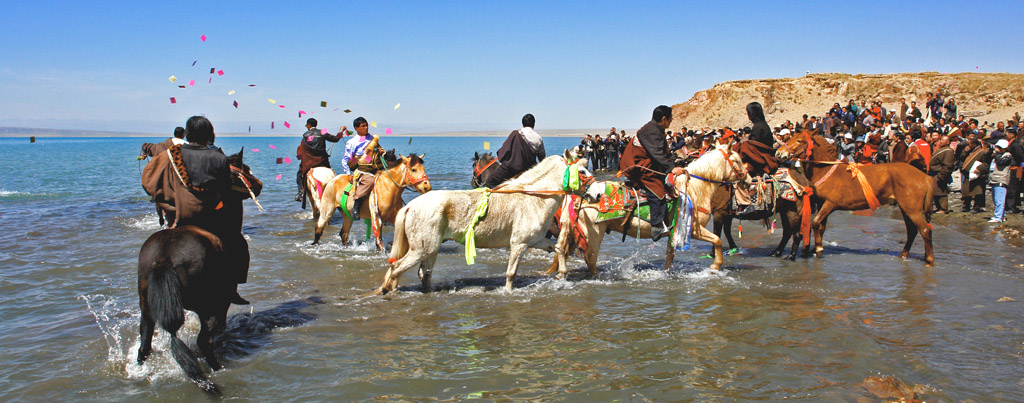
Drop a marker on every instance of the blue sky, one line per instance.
(455, 66)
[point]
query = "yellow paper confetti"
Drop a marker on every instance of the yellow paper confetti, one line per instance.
(173, 78)
(372, 123)
(232, 92)
(487, 145)
(271, 100)
(397, 105)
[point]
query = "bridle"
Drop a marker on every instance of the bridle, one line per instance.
(248, 186)
(477, 170)
(407, 180)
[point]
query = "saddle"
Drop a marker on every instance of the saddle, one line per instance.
(618, 200)
(783, 188)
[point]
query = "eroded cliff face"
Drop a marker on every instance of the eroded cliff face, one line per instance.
(985, 96)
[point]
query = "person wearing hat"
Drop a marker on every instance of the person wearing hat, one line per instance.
(940, 167)
(1016, 170)
(999, 178)
(847, 149)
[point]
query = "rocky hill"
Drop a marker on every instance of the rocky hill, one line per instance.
(985, 96)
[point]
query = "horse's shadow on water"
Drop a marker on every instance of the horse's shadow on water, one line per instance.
(247, 333)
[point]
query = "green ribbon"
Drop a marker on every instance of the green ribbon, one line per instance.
(470, 240)
(344, 202)
(369, 228)
(571, 178)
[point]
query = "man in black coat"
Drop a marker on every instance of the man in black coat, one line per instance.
(523, 149)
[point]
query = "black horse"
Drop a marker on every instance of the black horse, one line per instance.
(187, 268)
(483, 167)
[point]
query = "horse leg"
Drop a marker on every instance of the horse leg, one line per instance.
(426, 269)
(594, 240)
(346, 225)
(926, 234)
(791, 225)
(728, 231)
(705, 235)
(412, 258)
(145, 334)
(819, 226)
(323, 218)
(513, 264)
(210, 324)
(786, 233)
(670, 255)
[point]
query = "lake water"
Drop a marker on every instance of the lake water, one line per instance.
(73, 216)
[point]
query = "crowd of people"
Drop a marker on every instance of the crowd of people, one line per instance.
(985, 158)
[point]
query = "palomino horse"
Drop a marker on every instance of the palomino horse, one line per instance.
(483, 167)
(706, 174)
(184, 268)
(316, 182)
(516, 215)
(845, 186)
(388, 185)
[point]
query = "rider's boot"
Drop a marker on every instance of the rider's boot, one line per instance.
(356, 204)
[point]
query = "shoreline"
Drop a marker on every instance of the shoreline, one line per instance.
(481, 133)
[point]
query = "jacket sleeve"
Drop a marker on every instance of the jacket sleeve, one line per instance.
(655, 148)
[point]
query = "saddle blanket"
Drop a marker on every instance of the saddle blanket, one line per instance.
(618, 199)
(782, 186)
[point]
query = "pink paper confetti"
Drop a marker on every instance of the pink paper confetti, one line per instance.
(288, 125)
(323, 131)
(387, 131)
(202, 37)
(211, 81)
(301, 112)
(287, 160)
(174, 101)
(271, 125)
(281, 106)
(278, 177)
(271, 146)
(191, 82)
(255, 150)
(220, 72)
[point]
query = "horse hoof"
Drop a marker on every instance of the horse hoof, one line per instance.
(775, 254)
(791, 258)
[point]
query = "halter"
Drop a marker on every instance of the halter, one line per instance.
(241, 175)
(407, 178)
(477, 171)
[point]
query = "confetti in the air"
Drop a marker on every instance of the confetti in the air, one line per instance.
(271, 100)
(220, 72)
(288, 125)
(487, 145)
(173, 78)
(191, 82)
(387, 131)
(281, 106)
(397, 105)
(232, 92)
(174, 101)
(272, 147)
(235, 103)
(348, 111)
(287, 160)
(255, 150)
(202, 37)
(278, 177)
(323, 104)
(374, 124)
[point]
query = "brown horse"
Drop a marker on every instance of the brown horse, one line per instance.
(184, 268)
(845, 186)
(389, 184)
(483, 167)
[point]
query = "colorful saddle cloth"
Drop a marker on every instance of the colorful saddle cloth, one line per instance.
(618, 199)
(782, 186)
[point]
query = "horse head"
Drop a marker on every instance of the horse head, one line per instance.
(242, 178)
(416, 174)
(483, 165)
(796, 145)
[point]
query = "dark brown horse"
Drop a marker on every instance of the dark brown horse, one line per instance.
(483, 167)
(790, 212)
(185, 268)
(845, 186)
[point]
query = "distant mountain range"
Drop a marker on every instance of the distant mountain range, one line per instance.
(37, 132)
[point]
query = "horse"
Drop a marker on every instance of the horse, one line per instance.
(515, 215)
(316, 179)
(850, 186)
(183, 268)
(484, 166)
(388, 185)
(703, 177)
(790, 212)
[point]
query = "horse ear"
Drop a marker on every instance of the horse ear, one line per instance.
(421, 155)
(567, 155)
(476, 155)
(241, 153)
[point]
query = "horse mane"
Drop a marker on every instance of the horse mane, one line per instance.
(706, 167)
(551, 163)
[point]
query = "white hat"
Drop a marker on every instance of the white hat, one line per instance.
(1002, 143)
(849, 136)
(783, 132)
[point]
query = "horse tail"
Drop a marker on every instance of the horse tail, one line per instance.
(400, 246)
(929, 197)
(166, 305)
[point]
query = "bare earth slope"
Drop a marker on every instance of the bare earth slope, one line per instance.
(985, 96)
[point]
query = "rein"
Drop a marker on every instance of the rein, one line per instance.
(248, 186)
(407, 178)
(477, 171)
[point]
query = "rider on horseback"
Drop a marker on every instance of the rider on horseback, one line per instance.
(312, 152)
(521, 150)
(356, 161)
(646, 160)
(189, 181)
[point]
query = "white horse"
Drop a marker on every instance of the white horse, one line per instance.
(316, 181)
(714, 167)
(518, 215)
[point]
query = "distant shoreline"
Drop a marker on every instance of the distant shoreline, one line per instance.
(50, 133)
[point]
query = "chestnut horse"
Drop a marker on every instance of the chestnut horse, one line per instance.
(846, 186)
(184, 268)
(389, 184)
